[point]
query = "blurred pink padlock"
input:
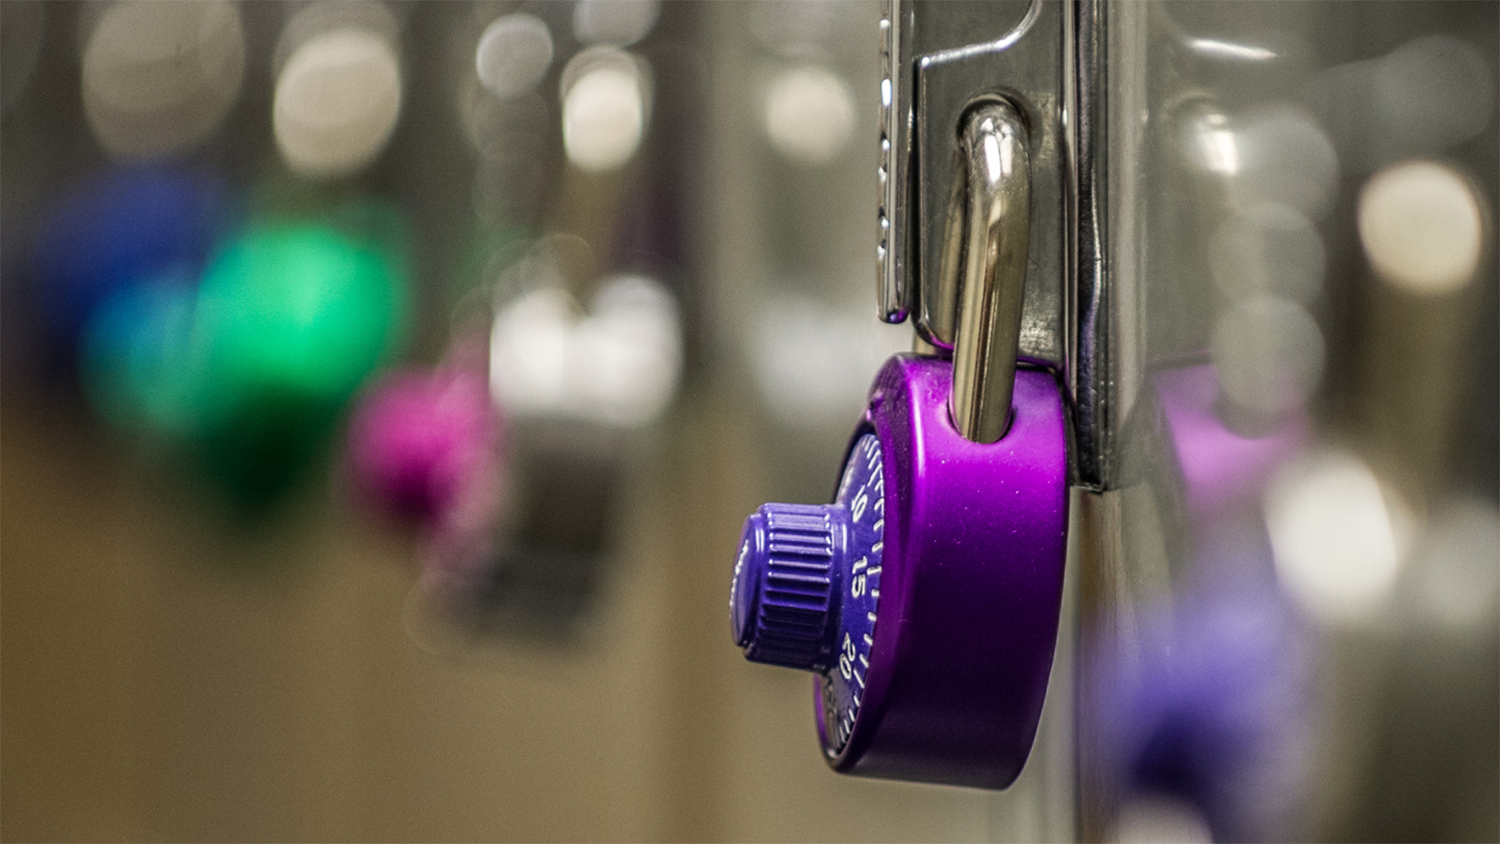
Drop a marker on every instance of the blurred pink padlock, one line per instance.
(418, 438)
(425, 446)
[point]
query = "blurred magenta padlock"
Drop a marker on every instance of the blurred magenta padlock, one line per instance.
(925, 598)
(421, 440)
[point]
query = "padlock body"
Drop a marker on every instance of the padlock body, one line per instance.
(974, 547)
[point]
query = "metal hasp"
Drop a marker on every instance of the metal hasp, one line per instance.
(984, 255)
(1023, 68)
(1048, 62)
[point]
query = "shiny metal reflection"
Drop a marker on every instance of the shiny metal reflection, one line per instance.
(997, 233)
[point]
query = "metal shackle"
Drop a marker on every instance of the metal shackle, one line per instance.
(983, 269)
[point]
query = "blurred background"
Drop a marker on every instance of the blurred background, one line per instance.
(383, 385)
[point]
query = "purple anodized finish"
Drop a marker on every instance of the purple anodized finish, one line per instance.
(933, 665)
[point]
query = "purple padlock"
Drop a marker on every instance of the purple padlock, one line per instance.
(926, 597)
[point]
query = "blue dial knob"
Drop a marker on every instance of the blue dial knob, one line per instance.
(807, 582)
(784, 580)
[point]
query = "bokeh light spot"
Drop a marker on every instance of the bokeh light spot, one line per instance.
(616, 22)
(604, 110)
(159, 76)
(513, 53)
(1336, 543)
(1269, 353)
(337, 101)
(1284, 156)
(620, 364)
(1423, 227)
(1268, 248)
(809, 114)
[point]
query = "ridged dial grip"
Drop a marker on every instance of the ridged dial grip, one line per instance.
(785, 584)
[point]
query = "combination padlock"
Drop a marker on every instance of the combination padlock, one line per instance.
(925, 598)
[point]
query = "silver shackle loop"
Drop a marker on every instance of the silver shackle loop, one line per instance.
(984, 263)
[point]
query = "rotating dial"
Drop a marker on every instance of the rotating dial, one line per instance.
(806, 587)
(862, 494)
